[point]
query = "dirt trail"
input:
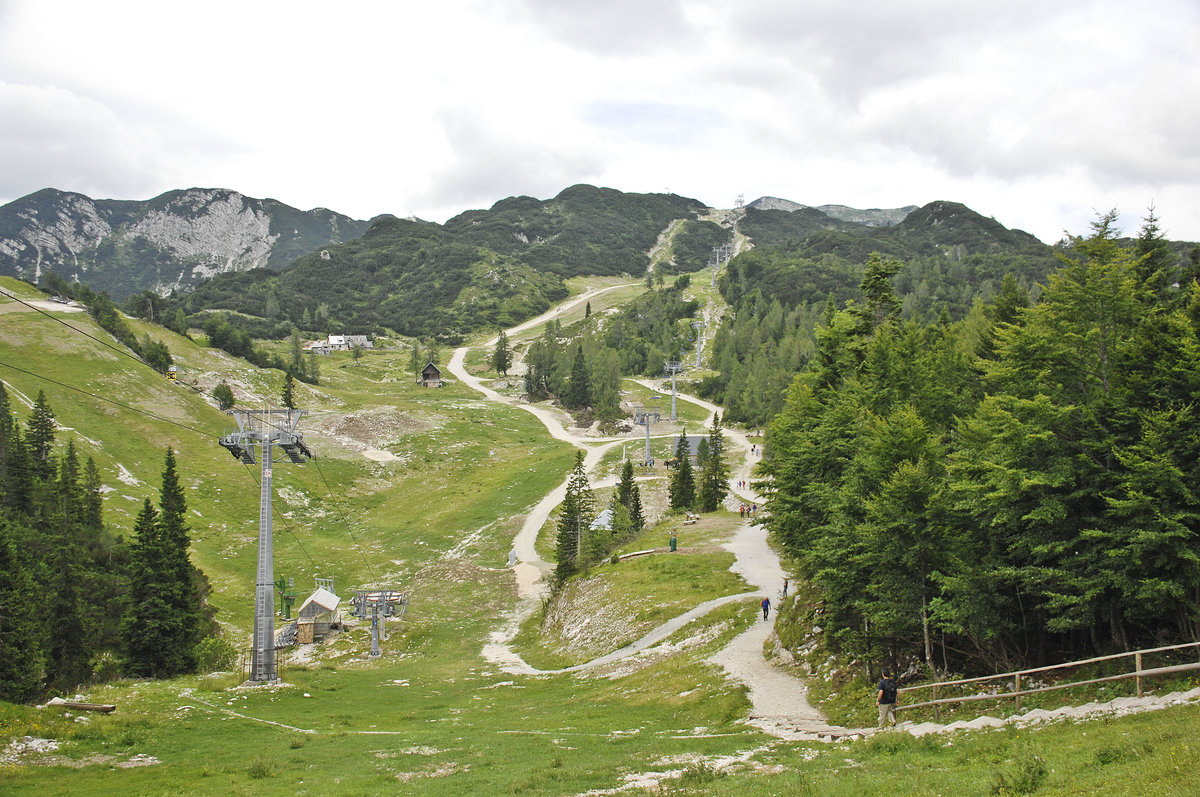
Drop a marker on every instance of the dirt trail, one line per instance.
(779, 703)
(778, 699)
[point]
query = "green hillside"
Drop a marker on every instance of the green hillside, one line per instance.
(481, 270)
(341, 515)
(424, 489)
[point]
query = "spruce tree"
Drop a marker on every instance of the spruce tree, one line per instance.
(636, 517)
(576, 514)
(18, 473)
(414, 359)
(152, 626)
(289, 391)
(682, 488)
(502, 356)
(92, 509)
(625, 486)
(167, 615)
(714, 475)
(21, 656)
(630, 497)
(192, 584)
(39, 437)
(577, 393)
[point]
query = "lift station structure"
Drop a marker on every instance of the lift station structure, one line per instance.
(263, 431)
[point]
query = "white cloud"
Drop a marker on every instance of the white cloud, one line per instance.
(1035, 113)
(50, 137)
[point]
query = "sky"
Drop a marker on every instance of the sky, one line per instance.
(1039, 114)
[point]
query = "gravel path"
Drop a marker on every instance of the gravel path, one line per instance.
(778, 699)
(779, 703)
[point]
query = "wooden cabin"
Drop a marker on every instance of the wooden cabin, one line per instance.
(431, 376)
(318, 614)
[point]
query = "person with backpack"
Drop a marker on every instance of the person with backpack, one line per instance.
(886, 699)
(766, 607)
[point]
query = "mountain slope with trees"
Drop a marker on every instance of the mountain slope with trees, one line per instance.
(1013, 488)
(482, 269)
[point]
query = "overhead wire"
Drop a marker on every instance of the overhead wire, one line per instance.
(126, 353)
(104, 398)
(346, 521)
(118, 349)
(286, 524)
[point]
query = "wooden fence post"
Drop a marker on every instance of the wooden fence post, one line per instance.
(1137, 659)
(937, 709)
(1018, 691)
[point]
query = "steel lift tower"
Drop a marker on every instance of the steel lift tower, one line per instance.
(265, 429)
(671, 368)
(645, 417)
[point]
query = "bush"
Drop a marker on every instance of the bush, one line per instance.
(223, 394)
(215, 654)
(105, 667)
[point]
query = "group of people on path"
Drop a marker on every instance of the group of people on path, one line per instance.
(747, 511)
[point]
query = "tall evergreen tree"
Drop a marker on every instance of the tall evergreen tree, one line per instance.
(39, 437)
(624, 491)
(502, 356)
(168, 615)
(67, 557)
(630, 497)
(415, 365)
(574, 518)
(1155, 267)
(714, 475)
(152, 626)
(288, 397)
(879, 304)
(21, 656)
(682, 487)
(194, 589)
(577, 394)
(7, 426)
(636, 516)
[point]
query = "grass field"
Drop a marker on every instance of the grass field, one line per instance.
(424, 489)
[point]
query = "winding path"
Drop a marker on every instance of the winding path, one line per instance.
(780, 706)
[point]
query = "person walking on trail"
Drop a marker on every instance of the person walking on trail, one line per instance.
(766, 607)
(785, 586)
(886, 699)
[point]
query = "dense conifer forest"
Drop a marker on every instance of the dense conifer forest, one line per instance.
(1014, 487)
(78, 603)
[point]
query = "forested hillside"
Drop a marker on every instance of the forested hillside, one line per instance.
(1010, 488)
(806, 265)
(481, 270)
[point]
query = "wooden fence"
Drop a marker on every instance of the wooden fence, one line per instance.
(1138, 673)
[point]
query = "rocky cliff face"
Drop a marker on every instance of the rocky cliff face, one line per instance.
(167, 243)
(874, 217)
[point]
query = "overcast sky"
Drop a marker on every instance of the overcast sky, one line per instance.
(1037, 113)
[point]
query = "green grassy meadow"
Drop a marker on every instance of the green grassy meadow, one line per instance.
(423, 489)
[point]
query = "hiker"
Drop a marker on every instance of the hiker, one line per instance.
(674, 539)
(785, 583)
(766, 607)
(886, 699)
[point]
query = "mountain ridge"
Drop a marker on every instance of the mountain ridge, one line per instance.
(169, 242)
(869, 217)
